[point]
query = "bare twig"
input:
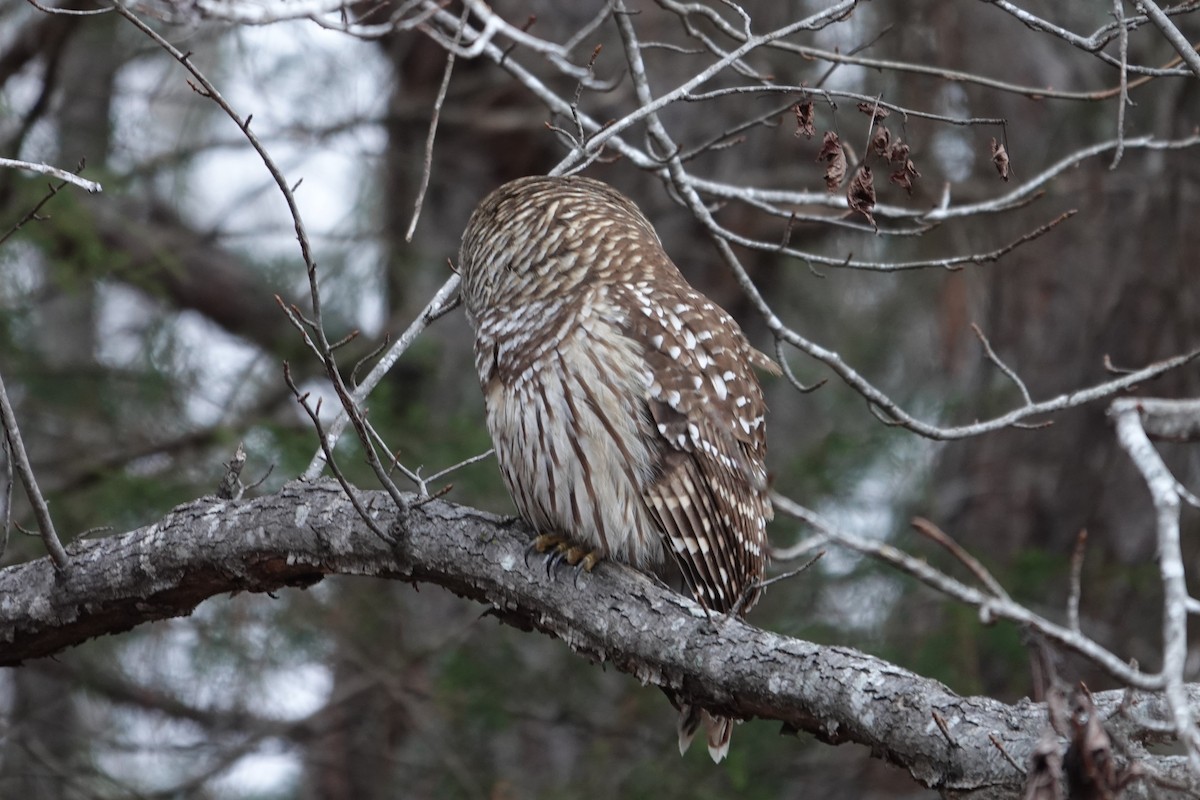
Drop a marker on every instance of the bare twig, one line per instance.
(1004, 752)
(1123, 97)
(466, 462)
(1000, 365)
(1172, 34)
(1164, 490)
(32, 214)
(61, 174)
(314, 415)
(647, 108)
(68, 12)
(781, 357)
(1076, 580)
(20, 459)
(939, 537)
(990, 607)
(427, 166)
(7, 496)
(894, 414)
(440, 304)
(312, 329)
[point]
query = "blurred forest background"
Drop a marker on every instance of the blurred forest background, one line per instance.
(140, 341)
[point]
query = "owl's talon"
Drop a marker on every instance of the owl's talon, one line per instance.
(554, 559)
(585, 561)
(557, 549)
(542, 543)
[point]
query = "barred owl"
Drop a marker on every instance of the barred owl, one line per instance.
(627, 418)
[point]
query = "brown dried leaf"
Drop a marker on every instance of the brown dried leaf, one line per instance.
(1043, 781)
(1000, 159)
(870, 108)
(881, 139)
(861, 194)
(1089, 764)
(897, 152)
(835, 158)
(804, 119)
(903, 177)
(831, 145)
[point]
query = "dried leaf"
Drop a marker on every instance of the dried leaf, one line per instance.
(881, 139)
(861, 194)
(1000, 159)
(1043, 781)
(1089, 764)
(870, 108)
(835, 158)
(831, 145)
(897, 152)
(903, 177)
(804, 119)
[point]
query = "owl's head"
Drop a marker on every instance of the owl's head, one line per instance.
(538, 237)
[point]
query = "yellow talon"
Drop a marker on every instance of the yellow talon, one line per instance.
(558, 548)
(549, 541)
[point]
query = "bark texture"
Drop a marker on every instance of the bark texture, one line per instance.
(613, 615)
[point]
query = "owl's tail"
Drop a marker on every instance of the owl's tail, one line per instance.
(718, 729)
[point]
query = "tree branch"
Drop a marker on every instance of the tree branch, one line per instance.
(614, 615)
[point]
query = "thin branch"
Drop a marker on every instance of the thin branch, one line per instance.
(1170, 420)
(646, 110)
(20, 460)
(61, 174)
(313, 330)
(1123, 97)
(895, 415)
(464, 463)
(813, 53)
(1172, 34)
(68, 12)
(687, 191)
(440, 304)
(32, 214)
(990, 607)
(314, 415)
(781, 357)
(1076, 580)
(952, 263)
(1000, 365)
(1017, 195)
(427, 166)
(939, 537)
(7, 496)
(829, 94)
(1163, 489)
(210, 91)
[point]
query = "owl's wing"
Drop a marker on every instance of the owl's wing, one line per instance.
(709, 495)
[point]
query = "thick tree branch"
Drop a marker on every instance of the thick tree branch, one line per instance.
(307, 531)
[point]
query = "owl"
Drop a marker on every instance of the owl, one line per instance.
(627, 418)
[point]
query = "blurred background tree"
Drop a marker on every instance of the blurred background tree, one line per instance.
(140, 340)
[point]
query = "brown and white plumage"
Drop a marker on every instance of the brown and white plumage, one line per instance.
(623, 404)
